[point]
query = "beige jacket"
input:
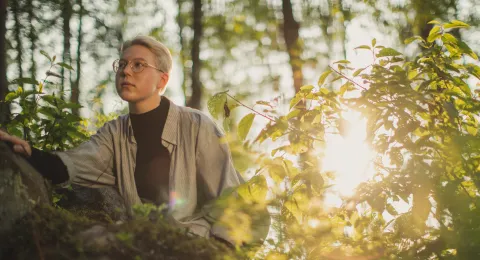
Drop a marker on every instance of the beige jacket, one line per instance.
(201, 165)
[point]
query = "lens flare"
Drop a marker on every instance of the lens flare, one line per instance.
(349, 156)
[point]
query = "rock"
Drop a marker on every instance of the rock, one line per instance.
(21, 188)
(97, 238)
(101, 204)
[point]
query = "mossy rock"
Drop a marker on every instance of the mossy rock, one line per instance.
(21, 188)
(102, 204)
(52, 233)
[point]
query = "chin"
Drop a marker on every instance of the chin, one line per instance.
(127, 96)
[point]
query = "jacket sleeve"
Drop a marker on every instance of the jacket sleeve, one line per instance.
(220, 180)
(215, 171)
(91, 163)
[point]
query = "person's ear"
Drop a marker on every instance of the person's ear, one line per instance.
(162, 83)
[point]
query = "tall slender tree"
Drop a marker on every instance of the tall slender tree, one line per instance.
(76, 85)
(196, 98)
(291, 34)
(4, 108)
(32, 35)
(66, 57)
(18, 37)
(181, 23)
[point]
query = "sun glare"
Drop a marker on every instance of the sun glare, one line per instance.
(349, 157)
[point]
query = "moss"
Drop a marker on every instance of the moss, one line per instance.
(59, 234)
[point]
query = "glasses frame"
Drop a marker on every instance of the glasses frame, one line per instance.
(129, 62)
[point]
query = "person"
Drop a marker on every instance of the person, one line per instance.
(158, 153)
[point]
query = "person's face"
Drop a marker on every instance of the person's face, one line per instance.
(135, 87)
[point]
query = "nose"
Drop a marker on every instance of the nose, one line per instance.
(127, 70)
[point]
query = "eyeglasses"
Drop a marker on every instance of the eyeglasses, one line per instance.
(136, 65)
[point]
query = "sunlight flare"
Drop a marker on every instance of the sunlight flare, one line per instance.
(348, 156)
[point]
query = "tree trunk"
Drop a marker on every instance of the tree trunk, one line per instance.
(183, 45)
(76, 86)
(33, 39)
(4, 108)
(18, 40)
(32, 35)
(66, 15)
(291, 34)
(196, 97)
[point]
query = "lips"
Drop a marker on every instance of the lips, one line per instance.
(126, 84)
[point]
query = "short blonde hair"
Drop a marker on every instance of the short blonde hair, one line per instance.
(163, 55)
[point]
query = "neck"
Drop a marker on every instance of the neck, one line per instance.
(144, 106)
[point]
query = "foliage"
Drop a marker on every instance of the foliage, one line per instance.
(422, 122)
(42, 116)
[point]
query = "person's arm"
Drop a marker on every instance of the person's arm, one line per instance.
(218, 177)
(91, 163)
(49, 166)
(215, 171)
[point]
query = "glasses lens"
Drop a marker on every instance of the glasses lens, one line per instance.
(115, 65)
(137, 66)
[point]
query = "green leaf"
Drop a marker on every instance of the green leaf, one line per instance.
(357, 72)
(255, 190)
(391, 210)
(24, 81)
(434, 34)
(388, 52)
(455, 24)
(65, 65)
(307, 89)
(466, 49)
(346, 87)
(434, 22)
(49, 112)
(474, 70)
(44, 53)
(463, 86)
(264, 103)
(366, 47)
(11, 96)
(72, 117)
(293, 113)
(412, 39)
(295, 100)
(448, 38)
(72, 105)
(472, 130)
(215, 104)
(374, 42)
(342, 62)
(323, 77)
(245, 125)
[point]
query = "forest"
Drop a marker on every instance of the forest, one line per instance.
(353, 122)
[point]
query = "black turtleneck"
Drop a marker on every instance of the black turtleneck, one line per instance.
(152, 165)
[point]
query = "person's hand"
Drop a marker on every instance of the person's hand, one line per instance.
(19, 145)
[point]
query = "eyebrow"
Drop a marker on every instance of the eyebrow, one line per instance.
(134, 59)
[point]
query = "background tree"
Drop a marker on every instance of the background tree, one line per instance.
(196, 86)
(4, 108)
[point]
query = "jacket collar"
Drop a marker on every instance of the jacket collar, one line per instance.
(170, 130)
